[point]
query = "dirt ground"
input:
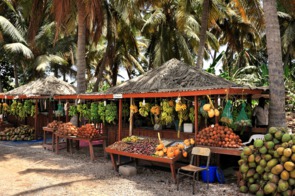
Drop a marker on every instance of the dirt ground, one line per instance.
(28, 169)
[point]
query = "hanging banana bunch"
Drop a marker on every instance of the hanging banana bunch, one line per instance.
(125, 110)
(13, 108)
(94, 111)
(167, 112)
(111, 112)
(144, 109)
(101, 111)
(182, 111)
(73, 110)
(192, 114)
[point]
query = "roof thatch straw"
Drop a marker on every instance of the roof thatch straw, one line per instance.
(172, 76)
(48, 86)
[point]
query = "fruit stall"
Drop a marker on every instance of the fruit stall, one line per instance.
(164, 100)
(32, 105)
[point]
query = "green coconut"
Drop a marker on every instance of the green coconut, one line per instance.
(269, 188)
(258, 143)
(254, 188)
(283, 185)
(286, 137)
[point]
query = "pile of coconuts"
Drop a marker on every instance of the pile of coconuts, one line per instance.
(267, 167)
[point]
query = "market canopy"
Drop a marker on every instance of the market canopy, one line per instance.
(173, 75)
(43, 87)
(173, 78)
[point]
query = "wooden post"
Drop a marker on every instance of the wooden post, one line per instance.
(131, 119)
(196, 115)
(36, 117)
(120, 120)
(67, 104)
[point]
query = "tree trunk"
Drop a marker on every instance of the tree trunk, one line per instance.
(204, 25)
(1, 85)
(275, 65)
(81, 61)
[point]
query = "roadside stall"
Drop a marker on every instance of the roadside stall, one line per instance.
(160, 102)
(32, 104)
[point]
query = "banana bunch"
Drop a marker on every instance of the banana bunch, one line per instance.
(33, 110)
(20, 111)
(167, 112)
(4, 108)
(27, 107)
(73, 110)
(144, 109)
(83, 110)
(156, 110)
(101, 111)
(131, 138)
(133, 108)
(94, 111)
(182, 111)
(111, 112)
(13, 108)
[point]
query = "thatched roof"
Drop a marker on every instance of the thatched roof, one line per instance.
(48, 86)
(173, 75)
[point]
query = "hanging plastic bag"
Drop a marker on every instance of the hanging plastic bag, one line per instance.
(226, 116)
(242, 119)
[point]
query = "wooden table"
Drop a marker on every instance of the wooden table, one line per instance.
(164, 160)
(48, 146)
(70, 139)
(226, 151)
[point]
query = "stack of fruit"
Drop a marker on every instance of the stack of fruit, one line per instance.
(268, 167)
(54, 124)
(87, 131)
(173, 151)
(67, 129)
(221, 136)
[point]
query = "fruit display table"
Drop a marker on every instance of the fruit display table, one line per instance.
(135, 156)
(46, 145)
(224, 151)
(70, 139)
(4, 124)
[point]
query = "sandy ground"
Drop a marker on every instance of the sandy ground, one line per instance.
(30, 170)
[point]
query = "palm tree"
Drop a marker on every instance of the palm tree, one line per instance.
(13, 42)
(90, 20)
(275, 65)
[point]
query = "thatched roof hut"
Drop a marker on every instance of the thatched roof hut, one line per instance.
(47, 87)
(173, 75)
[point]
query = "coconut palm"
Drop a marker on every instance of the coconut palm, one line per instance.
(275, 65)
(90, 20)
(14, 44)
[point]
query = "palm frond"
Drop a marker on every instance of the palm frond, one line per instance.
(157, 18)
(19, 48)
(44, 61)
(10, 30)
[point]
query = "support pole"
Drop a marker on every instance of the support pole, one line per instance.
(131, 119)
(36, 117)
(196, 115)
(120, 120)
